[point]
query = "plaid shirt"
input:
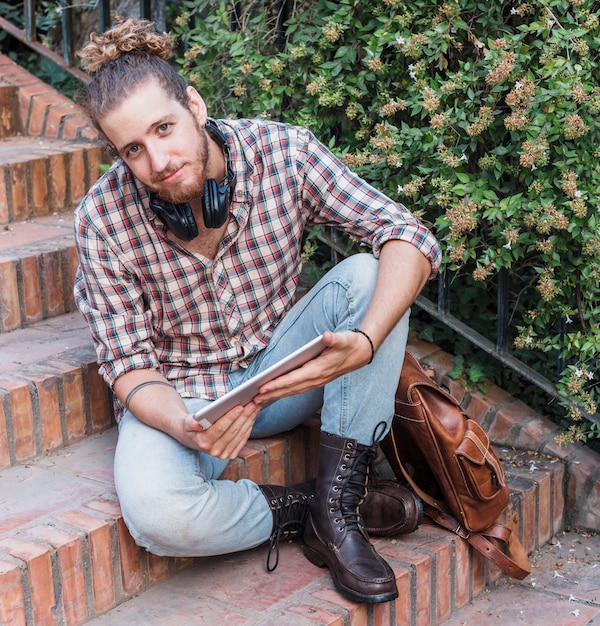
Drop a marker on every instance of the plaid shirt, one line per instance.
(152, 304)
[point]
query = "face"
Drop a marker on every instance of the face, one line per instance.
(163, 143)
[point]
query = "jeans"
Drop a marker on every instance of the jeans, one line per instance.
(170, 497)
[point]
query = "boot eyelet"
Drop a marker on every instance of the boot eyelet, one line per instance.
(344, 467)
(339, 478)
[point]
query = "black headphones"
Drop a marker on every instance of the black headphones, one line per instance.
(179, 218)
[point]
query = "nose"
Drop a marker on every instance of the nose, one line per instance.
(158, 157)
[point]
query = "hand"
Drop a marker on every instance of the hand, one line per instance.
(345, 352)
(226, 437)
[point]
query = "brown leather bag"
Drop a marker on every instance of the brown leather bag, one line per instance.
(449, 462)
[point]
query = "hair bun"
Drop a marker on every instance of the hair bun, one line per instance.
(126, 36)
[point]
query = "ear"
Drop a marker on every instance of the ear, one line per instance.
(197, 105)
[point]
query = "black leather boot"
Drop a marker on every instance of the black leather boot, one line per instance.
(290, 508)
(334, 536)
(390, 509)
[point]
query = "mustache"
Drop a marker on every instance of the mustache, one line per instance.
(160, 176)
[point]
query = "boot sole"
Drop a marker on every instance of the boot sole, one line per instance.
(316, 559)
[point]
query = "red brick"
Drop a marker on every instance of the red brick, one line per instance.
(21, 412)
(72, 125)
(421, 565)
(73, 391)
(39, 567)
(233, 471)
(12, 607)
(18, 190)
(131, 560)
(49, 412)
(94, 161)
(32, 290)
(52, 277)
(158, 568)
(10, 314)
(56, 114)
(70, 264)
(10, 123)
(101, 556)
(252, 464)
(76, 174)
(69, 551)
(130, 553)
(100, 399)
(273, 456)
(4, 195)
(533, 432)
(405, 602)
(463, 573)
(58, 182)
(4, 448)
(500, 430)
(40, 103)
(38, 202)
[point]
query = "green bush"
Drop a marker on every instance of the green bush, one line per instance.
(482, 117)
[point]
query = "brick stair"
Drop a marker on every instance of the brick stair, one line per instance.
(66, 557)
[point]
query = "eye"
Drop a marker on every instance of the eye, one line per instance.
(163, 128)
(132, 151)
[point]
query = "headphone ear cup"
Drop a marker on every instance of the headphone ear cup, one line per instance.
(215, 204)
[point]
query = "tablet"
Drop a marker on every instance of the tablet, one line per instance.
(248, 390)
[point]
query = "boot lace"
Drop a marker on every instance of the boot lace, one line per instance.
(290, 512)
(355, 490)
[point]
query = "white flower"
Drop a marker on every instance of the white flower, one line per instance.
(568, 320)
(533, 167)
(412, 75)
(578, 194)
(579, 372)
(507, 245)
(400, 188)
(513, 11)
(518, 85)
(400, 41)
(590, 375)
(463, 157)
(528, 340)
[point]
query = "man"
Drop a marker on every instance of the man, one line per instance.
(190, 254)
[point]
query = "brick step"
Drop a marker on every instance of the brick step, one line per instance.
(51, 394)
(37, 268)
(41, 176)
(10, 121)
(67, 558)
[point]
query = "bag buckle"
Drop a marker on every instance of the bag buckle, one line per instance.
(463, 534)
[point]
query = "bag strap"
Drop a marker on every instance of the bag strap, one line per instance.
(513, 561)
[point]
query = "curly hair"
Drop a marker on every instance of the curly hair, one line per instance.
(120, 60)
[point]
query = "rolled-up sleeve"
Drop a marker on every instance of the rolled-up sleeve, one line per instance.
(111, 300)
(336, 196)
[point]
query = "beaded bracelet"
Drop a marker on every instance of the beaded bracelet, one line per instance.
(364, 334)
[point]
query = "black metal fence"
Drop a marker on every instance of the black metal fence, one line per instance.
(439, 310)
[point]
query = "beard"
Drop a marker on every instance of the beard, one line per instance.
(193, 187)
